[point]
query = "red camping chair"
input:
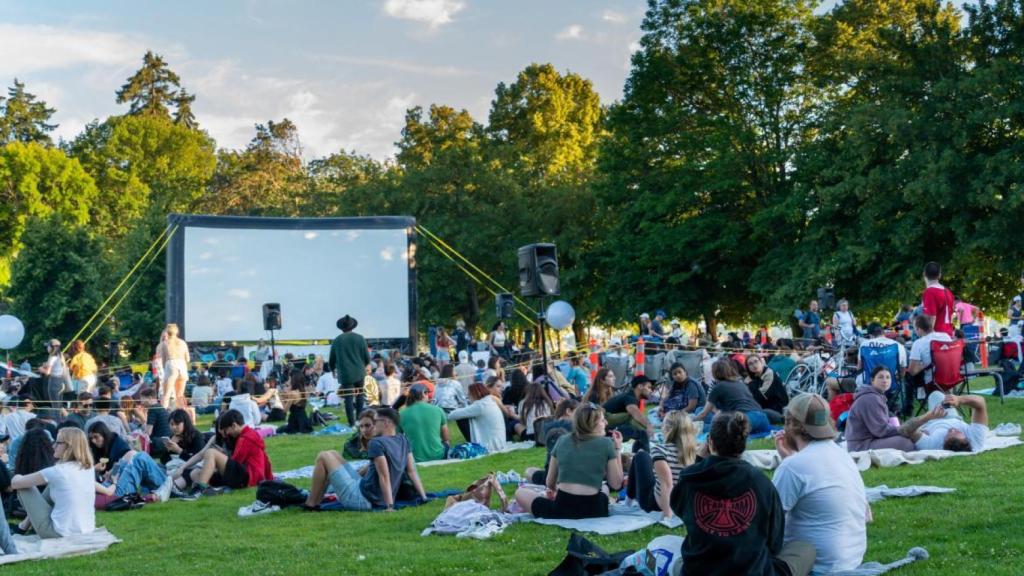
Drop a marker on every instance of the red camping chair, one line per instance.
(949, 374)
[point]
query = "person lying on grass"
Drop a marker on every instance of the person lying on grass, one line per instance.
(135, 473)
(942, 427)
(579, 466)
(240, 463)
(376, 485)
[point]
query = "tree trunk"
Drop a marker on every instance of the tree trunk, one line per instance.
(711, 323)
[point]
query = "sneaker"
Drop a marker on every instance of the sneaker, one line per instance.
(163, 493)
(214, 490)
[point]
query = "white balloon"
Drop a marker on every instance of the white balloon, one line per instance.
(12, 331)
(560, 315)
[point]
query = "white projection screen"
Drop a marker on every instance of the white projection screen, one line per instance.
(222, 269)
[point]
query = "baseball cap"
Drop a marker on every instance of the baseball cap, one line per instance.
(875, 328)
(812, 411)
(641, 379)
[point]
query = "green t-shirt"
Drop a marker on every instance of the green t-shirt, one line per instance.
(421, 424)
(583, 462)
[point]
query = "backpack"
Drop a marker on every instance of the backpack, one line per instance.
(129, 502)
(277, 493)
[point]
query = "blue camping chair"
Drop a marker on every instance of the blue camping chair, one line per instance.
(888, 356)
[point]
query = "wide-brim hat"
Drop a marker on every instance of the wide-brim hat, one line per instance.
(347, 323)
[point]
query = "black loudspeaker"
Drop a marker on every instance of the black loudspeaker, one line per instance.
(504, 305)
(272, 316)
(538, 270)
(826, 298)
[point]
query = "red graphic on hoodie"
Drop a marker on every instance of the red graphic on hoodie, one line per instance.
(726, 516)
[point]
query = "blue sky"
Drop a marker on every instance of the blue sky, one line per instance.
(344, 71)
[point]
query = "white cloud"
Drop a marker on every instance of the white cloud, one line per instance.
(431, 12)
(34, 48)
(613, 17)
(571, 32)
(444, 71)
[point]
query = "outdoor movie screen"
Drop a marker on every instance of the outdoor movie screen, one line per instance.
(222, 270)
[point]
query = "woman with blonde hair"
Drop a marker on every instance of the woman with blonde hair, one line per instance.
(651, 476)
(83, 368)
(65, 507)
(580, 464)
(174, 357)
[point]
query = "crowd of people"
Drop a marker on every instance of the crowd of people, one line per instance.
(83, 443)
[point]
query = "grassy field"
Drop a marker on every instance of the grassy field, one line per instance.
(972, 531)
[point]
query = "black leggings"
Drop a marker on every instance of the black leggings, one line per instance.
(571, 506)
(640, 484)
(354, 401)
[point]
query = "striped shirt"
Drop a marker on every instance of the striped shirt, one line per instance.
(669, 454)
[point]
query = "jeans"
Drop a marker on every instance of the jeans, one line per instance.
(345, 482)
(640, 483)
(141, 475)
(354, 402)
(6, 542)
(758, 422)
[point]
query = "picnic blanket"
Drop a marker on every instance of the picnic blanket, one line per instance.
(469, 519)
(510, 447)
(35, 548)
(621, 518)
(992, 392)
(879, 493)
(886, 457)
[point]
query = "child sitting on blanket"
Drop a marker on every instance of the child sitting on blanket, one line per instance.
(580, 463)
(135, 473)
(376, 485)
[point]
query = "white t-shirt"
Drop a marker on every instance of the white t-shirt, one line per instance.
(845, 321)
(72, 490)
(249, 408)
(934, 433)
(224, 386)
(882, 342)
(921, 351)
(55, 365)
(14, 423)
(327, 383)
(201, 396)
(823, 496)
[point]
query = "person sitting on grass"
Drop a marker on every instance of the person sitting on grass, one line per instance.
(34, 450)
(107, 447)
(685, 393)
(294, 403)
(536, 404)
(82, 411)
(246, 464)
(185, 441)
(65, 507)
(942, 428)
(136, 473)
(730, 394)
(580, 464)
(735, 522)
(560, 424)
(376, 485)
(766, 388)
(625, 413)
(820, 487)
(448, 394)
(513, 427)
(651, 476)
(486, 421)
(425, 426)
(243, 403)
(158, 426)
(358, 445)
(868, 426)
(104, 406)
(202, 394)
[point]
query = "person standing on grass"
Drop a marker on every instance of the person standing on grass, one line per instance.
(820, 487)
(349, 357)
(174, 358)
(937, 300)
(377, 484)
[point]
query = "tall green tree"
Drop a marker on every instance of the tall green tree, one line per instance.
(183, 110)
(24, 118)
(267, 178)
(36, 181)
(55, 281)
(715, 107)
(881, 186)
(143, 161)
(152, 89)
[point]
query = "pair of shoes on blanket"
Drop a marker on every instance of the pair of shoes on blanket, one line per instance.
(1007, 429)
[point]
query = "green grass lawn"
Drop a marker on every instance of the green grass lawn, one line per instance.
(972, 531)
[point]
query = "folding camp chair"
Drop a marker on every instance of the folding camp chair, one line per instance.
(889, 356)
(950, 376)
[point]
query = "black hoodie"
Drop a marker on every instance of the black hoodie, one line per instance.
(734, 519)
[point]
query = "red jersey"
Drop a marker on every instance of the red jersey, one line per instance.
(938, 302)
(250, 452)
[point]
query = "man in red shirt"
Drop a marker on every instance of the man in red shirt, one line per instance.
(937, 299)
(247, 465)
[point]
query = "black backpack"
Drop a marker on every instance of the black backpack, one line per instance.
(279, 493)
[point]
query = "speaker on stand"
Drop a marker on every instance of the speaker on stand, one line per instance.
(272, 322)
(538, 277)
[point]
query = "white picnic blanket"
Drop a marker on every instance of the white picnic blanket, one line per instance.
(35, 548)
(885, 457)
(879, 493)
(621, 518)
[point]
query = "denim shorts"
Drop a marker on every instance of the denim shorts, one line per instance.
(345, 483)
